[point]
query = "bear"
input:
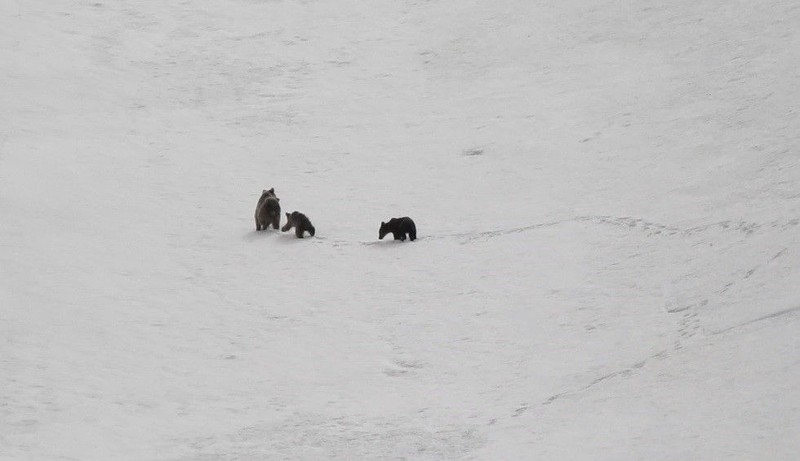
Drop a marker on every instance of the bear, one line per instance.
(300, 222)
(268, 210)
(399, 227)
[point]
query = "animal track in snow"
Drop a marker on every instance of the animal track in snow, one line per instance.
(624, 372)
(774, 315)
(649, 227)
(401, 367)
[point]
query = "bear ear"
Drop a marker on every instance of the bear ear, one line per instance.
(383, 223)
(263, 191)
(272, 190)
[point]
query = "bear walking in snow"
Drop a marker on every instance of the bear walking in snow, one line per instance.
(300, 222)
(399, 227)
(268, 210)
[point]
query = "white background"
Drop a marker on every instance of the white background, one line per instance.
(607, 196)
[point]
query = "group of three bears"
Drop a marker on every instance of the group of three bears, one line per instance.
(268, 212)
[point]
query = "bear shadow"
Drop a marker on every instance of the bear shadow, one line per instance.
(288, 238)
(254, 235)
(385, 244)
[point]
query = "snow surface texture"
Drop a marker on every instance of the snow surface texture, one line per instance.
(607, 196)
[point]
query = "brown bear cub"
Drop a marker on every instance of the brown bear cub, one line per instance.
(300, 222)
(399, 227)
(268, 210)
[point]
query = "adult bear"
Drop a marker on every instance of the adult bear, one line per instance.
(268, 210)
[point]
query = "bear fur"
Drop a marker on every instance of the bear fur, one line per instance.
(300, 222)
(399, 227)
(268, 210)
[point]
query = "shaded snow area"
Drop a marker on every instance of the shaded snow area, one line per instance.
(607, 197)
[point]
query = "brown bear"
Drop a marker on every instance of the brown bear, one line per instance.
(300, 222)
(399, 227)
(268, 210)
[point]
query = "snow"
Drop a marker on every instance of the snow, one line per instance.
(607, 196)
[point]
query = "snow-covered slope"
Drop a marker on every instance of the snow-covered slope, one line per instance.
(607, 196)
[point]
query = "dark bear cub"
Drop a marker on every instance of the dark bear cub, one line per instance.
(300, 222)
(399, 227)
(268, 210)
